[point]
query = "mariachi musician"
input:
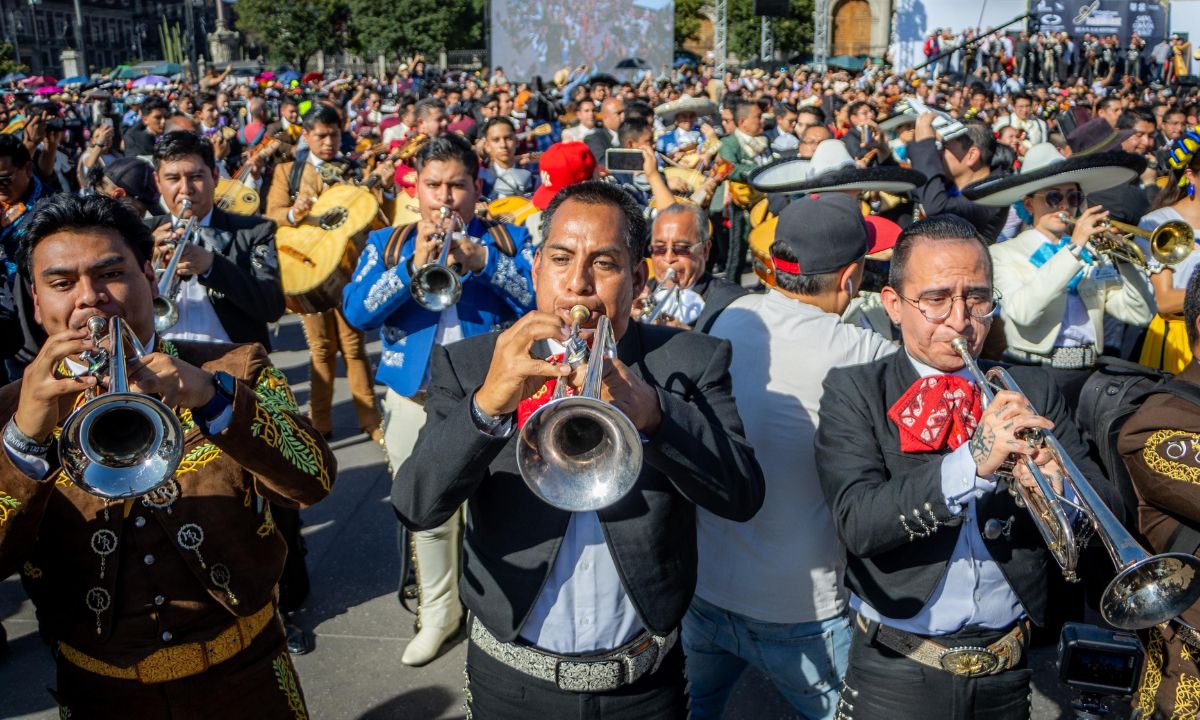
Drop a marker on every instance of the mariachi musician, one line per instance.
(161, 602)
(295, 186)
(17, 196)
(491, 262)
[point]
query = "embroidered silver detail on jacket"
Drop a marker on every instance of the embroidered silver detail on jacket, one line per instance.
(388, 284)
(510, 280)
(372, 259)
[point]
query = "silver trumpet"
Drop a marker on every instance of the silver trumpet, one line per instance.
(435, 285)
(577, 452)
(166, 309)
(1148, 589)
(119, 444)
(661, 303)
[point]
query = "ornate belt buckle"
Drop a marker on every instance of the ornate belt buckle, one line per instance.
(969, 662)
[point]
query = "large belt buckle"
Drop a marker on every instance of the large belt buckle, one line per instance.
(969, 662)
(580, 676)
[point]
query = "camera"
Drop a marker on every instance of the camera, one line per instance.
(1099, 661)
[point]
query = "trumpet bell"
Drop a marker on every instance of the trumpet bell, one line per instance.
(121, 445)
(1151, 591)
(579, 453)
(436, 287)
(1172, 242)
(166, 314)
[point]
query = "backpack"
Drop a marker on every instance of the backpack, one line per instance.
(1109, 398)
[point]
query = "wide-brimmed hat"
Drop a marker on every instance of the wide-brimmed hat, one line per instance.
(831, 168)
(1096, 136)
(700, 107)
(1043, 167)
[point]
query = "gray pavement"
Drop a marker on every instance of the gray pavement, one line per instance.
(360, 629)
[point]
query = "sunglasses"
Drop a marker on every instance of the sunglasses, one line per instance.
(678, 250)
(1054, 198)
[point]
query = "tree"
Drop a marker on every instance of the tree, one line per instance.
(396, 30)
(7, 63)
(793, 34)
(296, 30)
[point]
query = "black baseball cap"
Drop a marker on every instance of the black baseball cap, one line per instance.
(825, 232)
(136, 177)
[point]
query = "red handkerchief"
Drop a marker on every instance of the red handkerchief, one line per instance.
(937, 412)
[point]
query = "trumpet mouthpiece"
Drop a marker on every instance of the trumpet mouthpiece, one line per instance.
(580, 314)
(959, 344)
(96, 324)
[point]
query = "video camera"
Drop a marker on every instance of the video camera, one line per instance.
(1098, 662)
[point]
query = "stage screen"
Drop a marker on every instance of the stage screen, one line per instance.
(540, 37)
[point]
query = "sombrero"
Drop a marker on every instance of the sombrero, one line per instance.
(831, 168)
(1044, 167)
(701, 107)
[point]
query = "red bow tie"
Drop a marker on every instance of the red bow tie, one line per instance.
(937, 412)
(526, 407)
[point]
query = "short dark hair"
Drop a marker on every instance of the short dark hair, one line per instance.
(12, 147)
(741, 109)
(813, 110)
(598, 192)
(807, 285)
(181, 143)
(493, 122)
(1133, 116)
(321, 115)
(207, 99)
(425, 107)
(1021, 96)
(154, 102)
(1106, 101)
(979, 135)
(631, 129)
(1191, 308)
(446, 148)
(937, 228)
(66, 211)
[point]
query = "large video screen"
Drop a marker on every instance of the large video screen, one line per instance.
(540, 37)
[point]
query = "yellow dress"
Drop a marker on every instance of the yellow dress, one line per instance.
(1166, 346)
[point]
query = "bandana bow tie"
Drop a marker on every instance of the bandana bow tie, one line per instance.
(937, 413)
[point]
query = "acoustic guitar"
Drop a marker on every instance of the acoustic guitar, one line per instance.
(317, 257)
(234, 194)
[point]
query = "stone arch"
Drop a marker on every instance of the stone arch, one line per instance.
(852, 26)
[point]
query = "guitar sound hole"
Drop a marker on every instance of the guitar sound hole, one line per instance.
(333, 218)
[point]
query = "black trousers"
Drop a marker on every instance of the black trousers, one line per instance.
(884, 685)
(497, 692)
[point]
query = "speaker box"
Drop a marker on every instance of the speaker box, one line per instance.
(773, 8)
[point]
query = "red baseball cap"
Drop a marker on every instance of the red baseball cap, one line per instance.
(563, 164)
(881, 234)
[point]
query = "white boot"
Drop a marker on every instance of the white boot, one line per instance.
(438, 564)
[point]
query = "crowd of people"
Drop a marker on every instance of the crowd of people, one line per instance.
(802, 272)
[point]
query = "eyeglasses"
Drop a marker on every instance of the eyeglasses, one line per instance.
(678, 250)
(1054, 198)
(937, 306)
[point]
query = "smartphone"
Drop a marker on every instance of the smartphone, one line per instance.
(624, 160)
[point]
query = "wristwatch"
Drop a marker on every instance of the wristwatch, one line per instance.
(225, 386)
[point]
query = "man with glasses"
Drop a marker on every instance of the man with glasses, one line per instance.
(695, 298)
(810, 138)
(769, 591)
(945, 571)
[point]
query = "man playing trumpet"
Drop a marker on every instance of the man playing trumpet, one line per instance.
(607, 587)
(946, 571)
(157, 601)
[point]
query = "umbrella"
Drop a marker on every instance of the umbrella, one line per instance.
(77, 80)
(98, 94)
(124, 72)
(633, 63)
(12, 78)
(312, 77)
(38, 80)
(266, 75)
(167, 68)
(287, 77)
(150, 80)
(46, 90)
(848, 62)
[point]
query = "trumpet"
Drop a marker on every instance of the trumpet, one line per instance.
(945, 126)
(166, 309)
(656, 307)
(435, 285)
(119, 444)
(577, 452)
(1170, 243)
(1147, 589)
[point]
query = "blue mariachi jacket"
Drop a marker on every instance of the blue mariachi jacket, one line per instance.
(378, 297)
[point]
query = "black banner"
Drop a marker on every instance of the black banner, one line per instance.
(1103, 17)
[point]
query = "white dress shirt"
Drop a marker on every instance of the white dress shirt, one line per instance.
(784, 565)
(198, 320)
(583, 607)
(973, 590)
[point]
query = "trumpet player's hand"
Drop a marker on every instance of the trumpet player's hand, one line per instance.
(195, 260)
(1088, 223)
(165, 238)
(427, 245)
(178, 383)
(924, 128)
(1000, 432)
(1049, 466)
(469, 254)
(39, 409)
(515, 374)
(630, 394)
